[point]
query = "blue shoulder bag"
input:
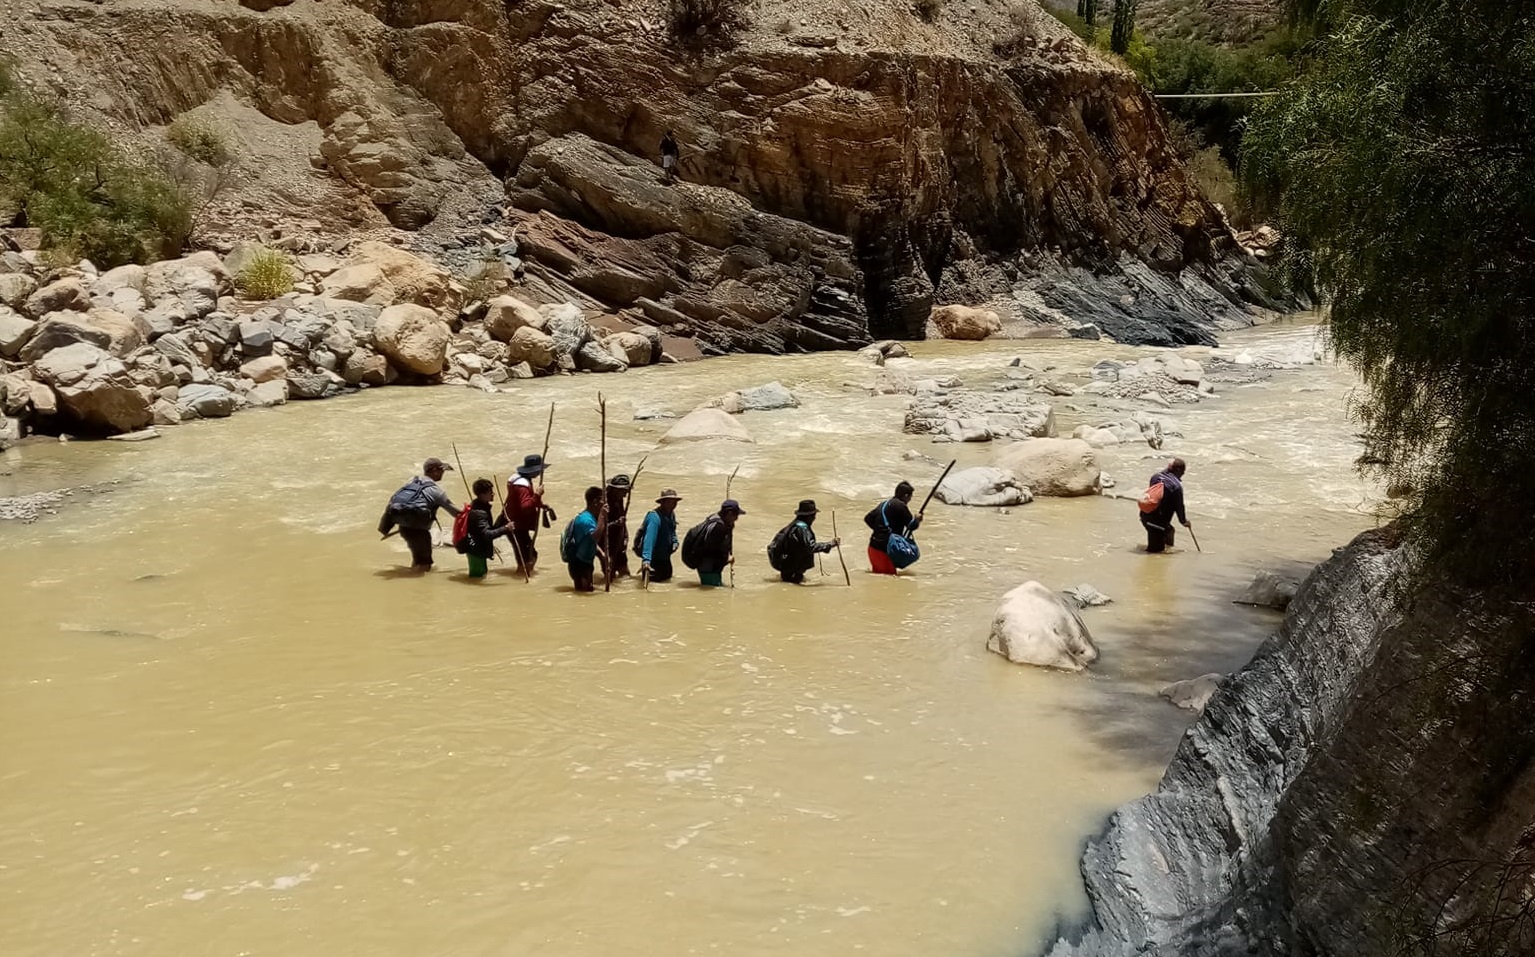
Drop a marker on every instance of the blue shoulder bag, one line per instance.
(902, 550)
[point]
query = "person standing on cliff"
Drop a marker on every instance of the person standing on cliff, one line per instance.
(670, 156)
(1162, 500)
(525, 506)
(658, 538)
(890, 517)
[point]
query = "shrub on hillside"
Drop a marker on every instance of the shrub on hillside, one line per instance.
(929, 10)
(267, 276)
(89, 198)
(704, 20)
(200, 140)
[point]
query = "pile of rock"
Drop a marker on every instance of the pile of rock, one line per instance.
(1140, 427)
(95, 352)
(978, 416)
(1160, 379)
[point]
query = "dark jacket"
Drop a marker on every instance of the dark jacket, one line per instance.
(899, 518)
(482, 532)
(1172, 501)
(800, 548)
(717, 546)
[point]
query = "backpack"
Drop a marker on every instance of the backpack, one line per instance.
(903, 551)
(565, 541)
(693, 542)
(639, 536)
(1151, 499)
(461, 540)
(410, 502)
(778, 555)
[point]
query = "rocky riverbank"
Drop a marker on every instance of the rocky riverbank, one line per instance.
(1362, 787)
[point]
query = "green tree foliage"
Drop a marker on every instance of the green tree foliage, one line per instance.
(87, 196)
(1404, 166)
(1195, 66)
(1124, 26)
(1087, 12)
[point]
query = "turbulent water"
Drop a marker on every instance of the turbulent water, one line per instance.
(231, 726)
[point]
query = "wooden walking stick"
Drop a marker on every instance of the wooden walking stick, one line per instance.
(541, 519)
(602, 515)
(1193, 536)
(511, 536)
(470, 492)
(845, 576)
(728, 483)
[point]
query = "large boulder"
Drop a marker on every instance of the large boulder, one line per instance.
(130, 278)
(704, 424)
(978, 416)
(504, 315)
(567, 327)
(411, 279)
(594, 357)
(195, 281)
(361, 282)
(15, 330)
(15, 287)
(265, 369)
(531, 346)
(123, 334)
(94, 388)
(1062, 467)
(61, 296)
(631, 348)
(1270, 590)
(767, 397)
(365, 368)
(268, 394)
(413, 338)
(965, 322)
(1033, 626)
(206, 401)
(61, 329)
(983, 486)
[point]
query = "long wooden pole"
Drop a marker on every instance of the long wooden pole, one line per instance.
(1194, 537)
(538, 519)
(469, 492)
(527, 576)
(935, 487)
(602, 515)
(728, 483)
(845, 576)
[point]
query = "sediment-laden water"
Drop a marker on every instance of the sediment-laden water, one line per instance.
(230, 726)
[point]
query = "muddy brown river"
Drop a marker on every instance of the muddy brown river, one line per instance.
(229, 726)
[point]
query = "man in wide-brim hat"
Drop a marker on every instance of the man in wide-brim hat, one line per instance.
(794, 548)
(525, 505)
(657, 539)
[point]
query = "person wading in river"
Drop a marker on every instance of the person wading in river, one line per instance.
(480, 541)
(414, 508)
(892, 516)
(657, 538)
(578, 543)
(794, 548)
(615, 533)
(1162, 500)
(525, 507)
(716, 544)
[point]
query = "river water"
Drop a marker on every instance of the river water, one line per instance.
(230, 726)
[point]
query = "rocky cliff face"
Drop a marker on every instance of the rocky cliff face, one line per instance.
(1365, 786)
(842, 167)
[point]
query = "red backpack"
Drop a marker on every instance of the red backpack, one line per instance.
(1151, 499)
(461, 531)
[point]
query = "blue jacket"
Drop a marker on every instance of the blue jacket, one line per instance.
(580, 539)
(658, 536)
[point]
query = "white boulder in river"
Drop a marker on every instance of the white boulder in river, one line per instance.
(983, 486)
(1061, 467)
(703, 424)
(1033, 626)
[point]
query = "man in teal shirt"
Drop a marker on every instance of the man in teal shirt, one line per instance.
(658, 538)
(578, 545)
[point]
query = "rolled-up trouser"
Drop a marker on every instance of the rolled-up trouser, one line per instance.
(420, 542)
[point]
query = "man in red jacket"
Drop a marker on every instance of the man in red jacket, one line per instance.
(525, 506)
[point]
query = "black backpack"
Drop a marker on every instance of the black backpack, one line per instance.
(778, 556)
(693, 542)
(639, 535)
(410, 502)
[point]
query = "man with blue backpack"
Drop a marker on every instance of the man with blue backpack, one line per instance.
(414, 508)
(891, 524)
